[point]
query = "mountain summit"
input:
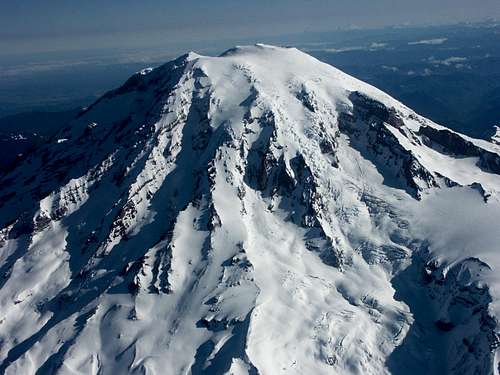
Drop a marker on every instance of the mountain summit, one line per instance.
(259, 212)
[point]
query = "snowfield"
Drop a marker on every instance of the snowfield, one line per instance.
(259, 212)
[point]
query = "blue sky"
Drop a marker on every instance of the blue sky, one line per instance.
(43, 25)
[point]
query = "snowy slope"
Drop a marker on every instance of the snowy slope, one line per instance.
(259, 212)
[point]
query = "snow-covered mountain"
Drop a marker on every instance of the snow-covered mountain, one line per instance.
(259, 212)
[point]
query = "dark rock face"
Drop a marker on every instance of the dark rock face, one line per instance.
(489, 162)
(307, 99)
(370, 108)
(263, 170)
(267, 171)
(452, 320)
(365, 126)
(451, 143)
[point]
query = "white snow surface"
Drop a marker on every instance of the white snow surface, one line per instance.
(496, 137)
(259, 212)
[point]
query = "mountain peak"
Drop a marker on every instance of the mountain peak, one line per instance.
(258, 48)
(255, 212)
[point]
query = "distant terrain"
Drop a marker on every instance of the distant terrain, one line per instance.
(450, 74)
(20, 132)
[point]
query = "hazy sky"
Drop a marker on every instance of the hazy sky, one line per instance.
(47, 25)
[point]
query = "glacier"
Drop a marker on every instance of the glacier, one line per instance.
(258, 212)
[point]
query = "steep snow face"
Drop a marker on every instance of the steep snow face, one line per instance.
(259, 212)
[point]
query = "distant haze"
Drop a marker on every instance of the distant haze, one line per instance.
(37, 26)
